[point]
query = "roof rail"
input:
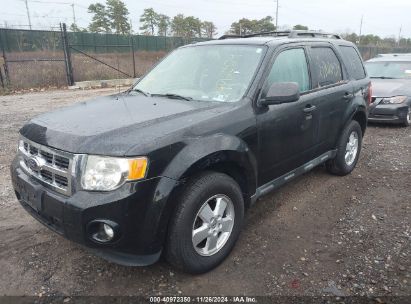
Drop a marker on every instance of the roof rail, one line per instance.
(313, 34)
(230, 36)
(289, 34)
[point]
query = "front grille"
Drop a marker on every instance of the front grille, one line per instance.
(50, 166)
(61, 162)
(47, 156)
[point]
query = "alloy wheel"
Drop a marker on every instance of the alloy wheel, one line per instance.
(213, 225)
(351, 148)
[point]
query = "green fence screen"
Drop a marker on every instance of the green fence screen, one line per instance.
(13, 40)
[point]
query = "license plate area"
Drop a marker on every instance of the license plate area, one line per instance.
(30, 194)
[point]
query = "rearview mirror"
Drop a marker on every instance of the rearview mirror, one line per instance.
(281, 92)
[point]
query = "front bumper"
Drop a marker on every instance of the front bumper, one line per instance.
(388, 113)
(138, 209)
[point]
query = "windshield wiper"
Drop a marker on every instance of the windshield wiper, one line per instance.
(382, 77)
(173, 96)
(141, 92)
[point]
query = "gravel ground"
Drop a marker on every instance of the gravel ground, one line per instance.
(318, 235)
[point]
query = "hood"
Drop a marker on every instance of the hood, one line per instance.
(391, 87)
(114, 124)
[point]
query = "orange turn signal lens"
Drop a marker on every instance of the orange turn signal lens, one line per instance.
(137, 168)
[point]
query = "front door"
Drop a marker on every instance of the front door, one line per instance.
(287, 132)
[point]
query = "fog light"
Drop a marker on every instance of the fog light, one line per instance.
(103, 231)
(108, 231)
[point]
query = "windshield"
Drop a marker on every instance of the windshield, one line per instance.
(389, 69)
(206, 73)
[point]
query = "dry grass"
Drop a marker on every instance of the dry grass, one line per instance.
(53, 73)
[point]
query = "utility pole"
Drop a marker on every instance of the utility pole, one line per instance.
(359, 38)
(28, 13)
(399, 35)
(74, 14)
(276, 17)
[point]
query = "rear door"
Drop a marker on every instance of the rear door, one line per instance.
(332, 93)
(356, 70)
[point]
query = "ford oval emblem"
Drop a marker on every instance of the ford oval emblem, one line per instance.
(33, 164)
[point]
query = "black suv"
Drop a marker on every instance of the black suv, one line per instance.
(391, 82)
(171, 165)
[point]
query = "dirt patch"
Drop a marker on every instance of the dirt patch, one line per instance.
(320, 234)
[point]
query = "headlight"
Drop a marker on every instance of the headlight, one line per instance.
(395, 99)
(21, 145)
(108, 173)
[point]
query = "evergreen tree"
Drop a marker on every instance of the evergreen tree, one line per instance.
(163, 24)
(245, 26)
(178, 25)
(100, 21)
(118, 14)
(209, 29)
(300, 27)
(149, 19)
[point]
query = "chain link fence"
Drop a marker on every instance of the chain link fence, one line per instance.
(35, 58)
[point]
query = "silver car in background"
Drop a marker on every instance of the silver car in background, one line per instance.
(391, 82)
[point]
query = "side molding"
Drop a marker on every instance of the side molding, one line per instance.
(279, 181)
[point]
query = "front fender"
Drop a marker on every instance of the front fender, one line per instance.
(207, 151)
(196, 155)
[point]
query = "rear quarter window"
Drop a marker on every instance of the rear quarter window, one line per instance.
(352, 62)
(326, 67)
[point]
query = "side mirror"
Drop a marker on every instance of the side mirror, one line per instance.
(281, 92)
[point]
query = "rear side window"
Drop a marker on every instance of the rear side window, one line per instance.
(353, 62)
(326, 67)
(290, 66)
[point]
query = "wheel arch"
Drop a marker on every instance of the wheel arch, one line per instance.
(222, 153)
(219, 153)
(361, 117)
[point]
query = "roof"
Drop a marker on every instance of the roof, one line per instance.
(278, 37)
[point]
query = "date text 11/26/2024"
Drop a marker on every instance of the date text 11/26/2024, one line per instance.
(198, 299)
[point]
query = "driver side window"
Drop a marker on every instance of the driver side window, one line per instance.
(290, 66)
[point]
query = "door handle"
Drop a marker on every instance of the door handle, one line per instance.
(309, 108)
(348, 96)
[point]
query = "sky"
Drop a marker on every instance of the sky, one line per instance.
(381, 17)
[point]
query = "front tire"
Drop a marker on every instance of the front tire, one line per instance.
(206, 223)
(349, 148)
(407, 120)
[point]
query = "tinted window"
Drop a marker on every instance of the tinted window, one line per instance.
(290, 66)
(326, 67)
(353, 62)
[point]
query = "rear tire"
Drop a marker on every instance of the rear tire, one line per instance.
(206, 223)
(349, 148)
